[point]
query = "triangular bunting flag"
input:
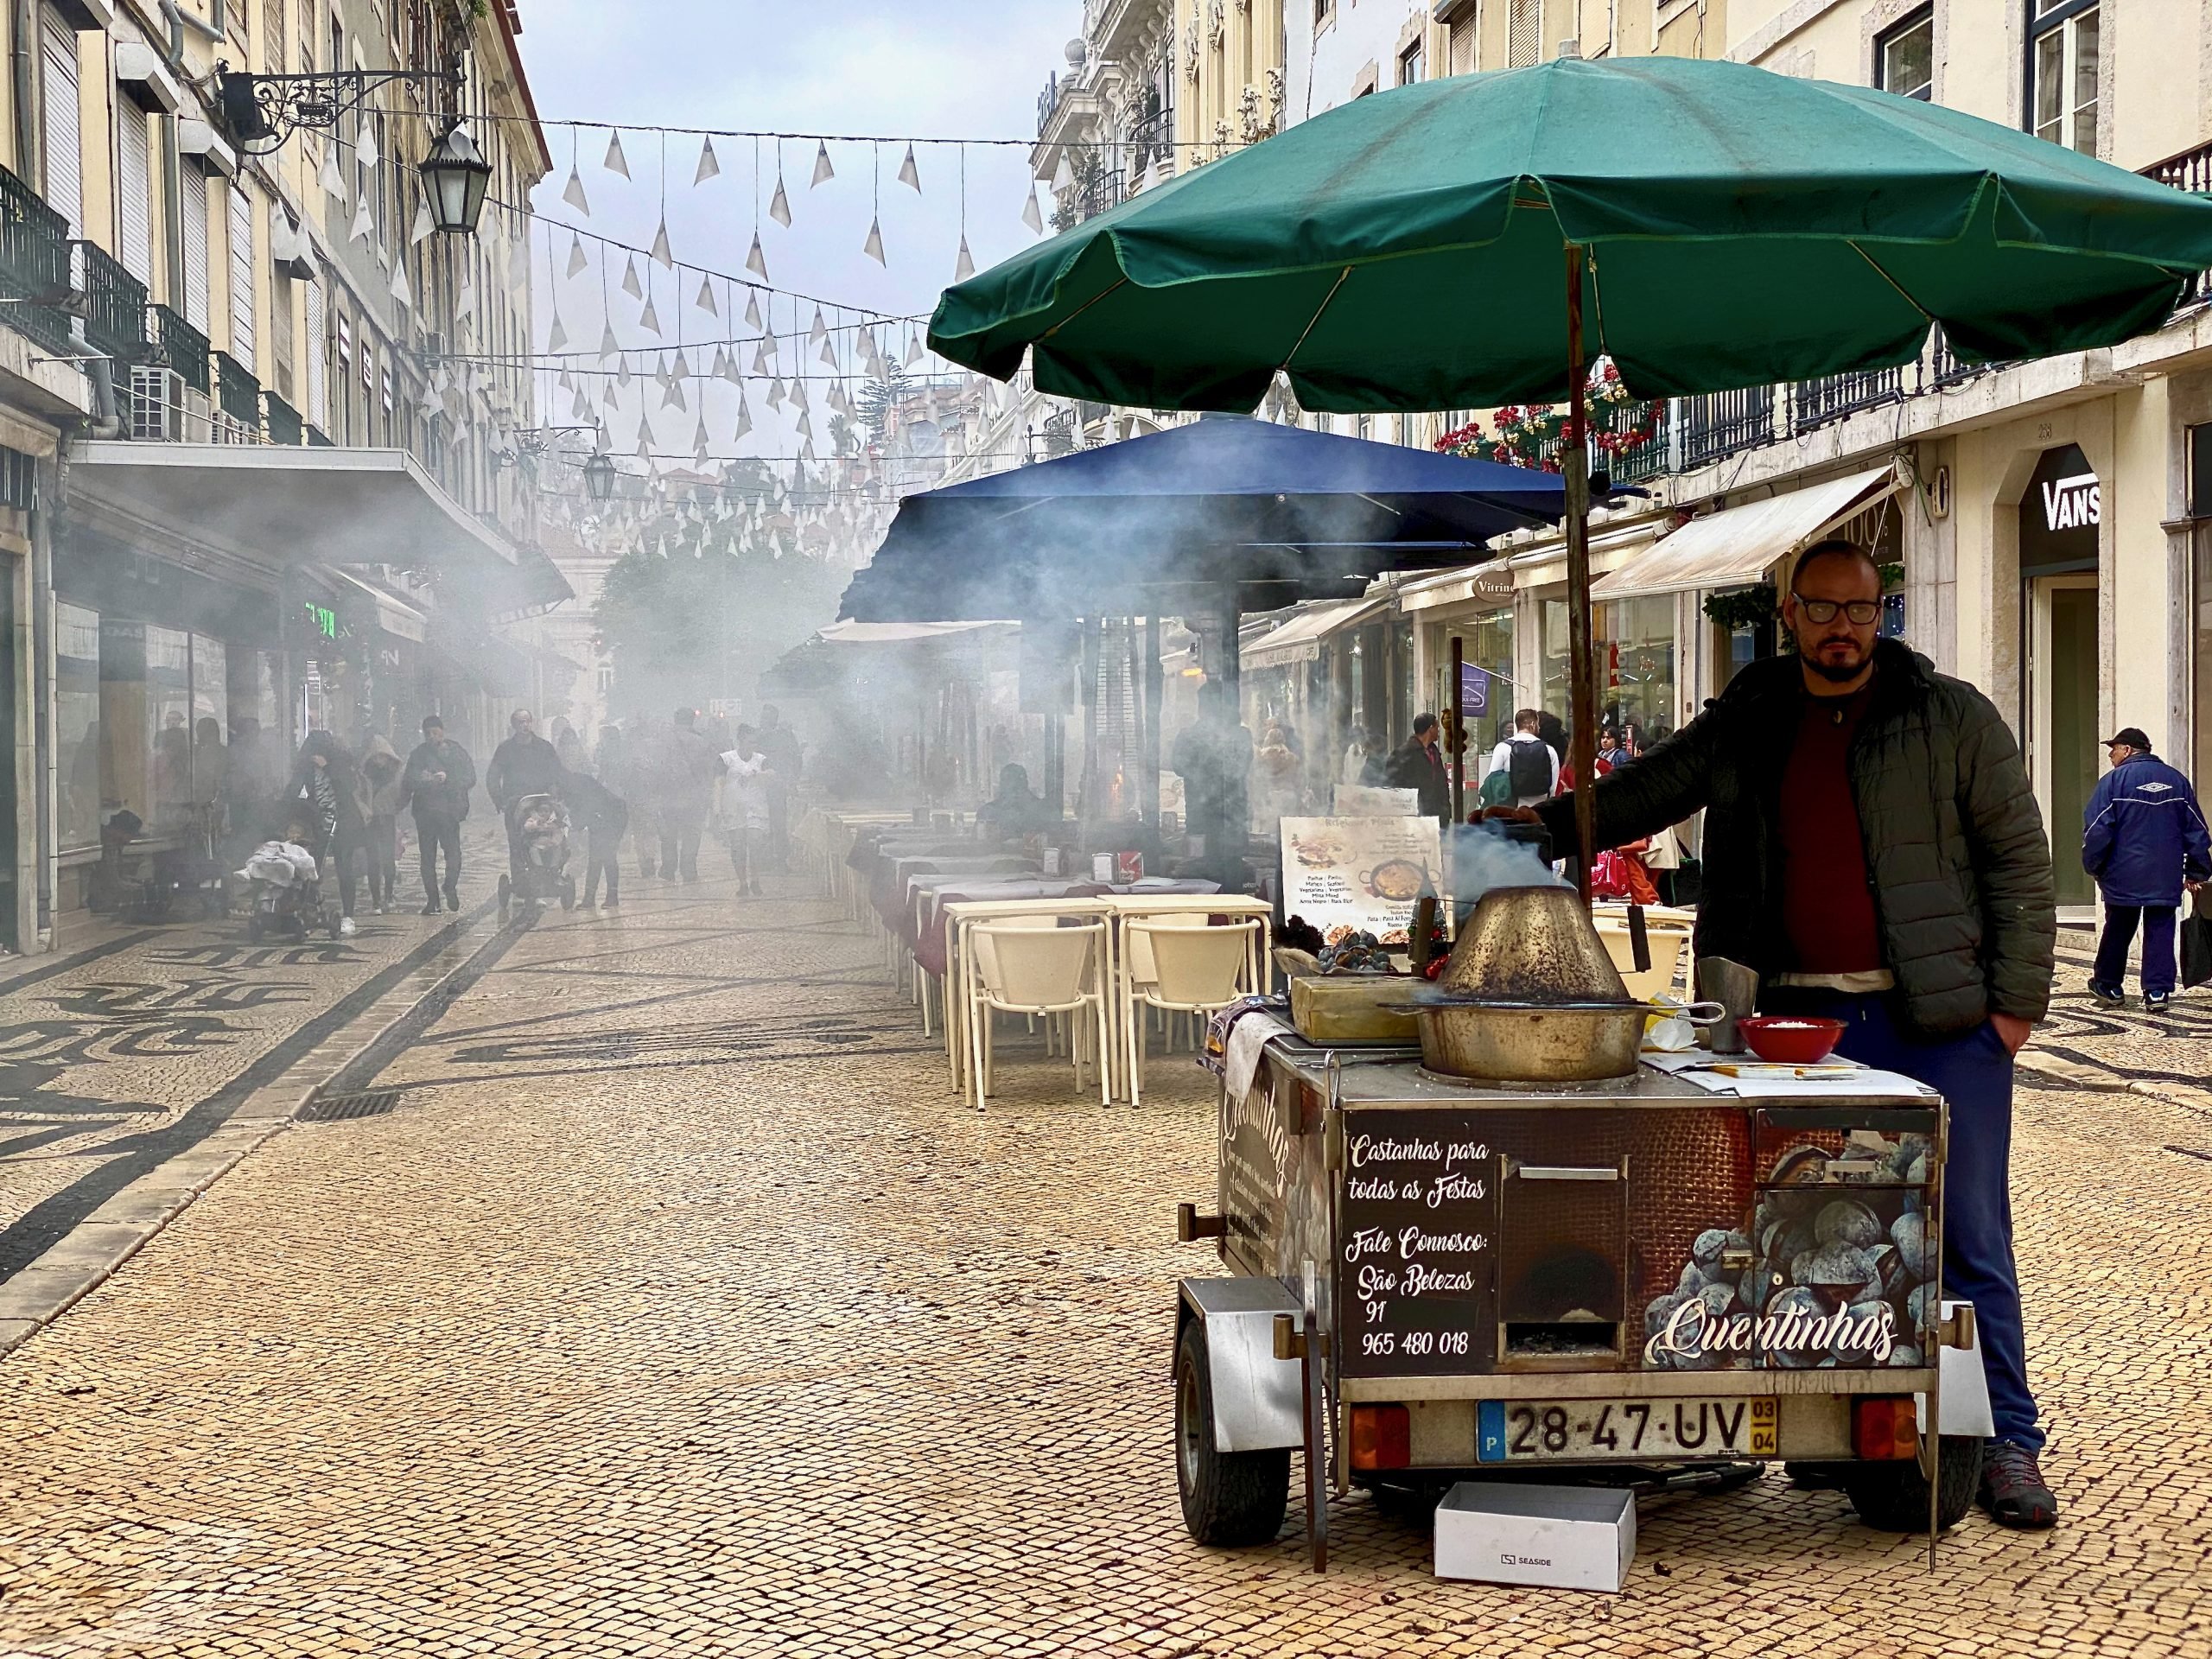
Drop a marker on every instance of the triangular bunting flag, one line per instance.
(699, 444)
(333, 183)
(631, 285)
(423, 227)
(754, 261)
(775, 394)
(616, 161)
(820, 331)
(649, 319)
(753, 307)
(574, 193)
(577, 259)
(400, 290)
(964, 266)
(822, 171)
(744, 417)
(760, 363)
(367, 152)
(1030, 215)
(830, 354)
(706, 300)
(909, 174)
(556, 338)
(873, 246)
(709, 166)
(779, 207)
(663, 254)
(609, 347)
(363, 229)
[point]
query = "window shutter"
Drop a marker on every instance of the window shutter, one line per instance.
(318, 345)
(1463, 48)
(192, 219)
(1524, 22)
(134, 238)
(280, 335)
(64, 161)
(242, 279)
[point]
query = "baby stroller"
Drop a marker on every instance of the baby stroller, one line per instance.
(283, 887)
(541, 829)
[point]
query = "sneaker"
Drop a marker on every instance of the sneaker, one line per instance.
(754, 888)
(345, 929)
(2106, 998)
(430, 909)
(2013, 1489)
(2158, 1001)
(452, 899)
(613, 903)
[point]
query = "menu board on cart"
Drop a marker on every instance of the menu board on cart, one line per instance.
(1415, 1273)
(1348, 875)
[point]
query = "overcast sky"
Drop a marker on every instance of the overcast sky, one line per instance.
(948, 68)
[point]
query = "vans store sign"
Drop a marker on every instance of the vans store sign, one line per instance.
(2074, 502)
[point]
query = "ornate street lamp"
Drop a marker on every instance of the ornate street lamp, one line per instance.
(456, 175)
(599, 478)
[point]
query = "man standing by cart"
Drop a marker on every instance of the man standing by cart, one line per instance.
(1874, 854)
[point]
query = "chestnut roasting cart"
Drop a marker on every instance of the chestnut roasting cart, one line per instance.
(1431, 1279)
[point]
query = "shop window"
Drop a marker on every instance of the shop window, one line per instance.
(1635, 644)
(2063, 58)
(211, 718)
(1904, 57)
(1413, 64)
(77, 723)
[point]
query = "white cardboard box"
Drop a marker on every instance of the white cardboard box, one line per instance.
(1564, 1537)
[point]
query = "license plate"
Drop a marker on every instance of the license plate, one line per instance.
(1590, 1430)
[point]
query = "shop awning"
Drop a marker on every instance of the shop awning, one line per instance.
(897, 633)
(280, 506)
(1299, 639)
(393, 615)
(532, 586)
(1741, 544)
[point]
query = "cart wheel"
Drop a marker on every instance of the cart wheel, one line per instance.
(506, 894)
(1229, 1498)
(1893, 1496)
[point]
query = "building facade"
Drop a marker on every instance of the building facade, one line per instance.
(251, 419)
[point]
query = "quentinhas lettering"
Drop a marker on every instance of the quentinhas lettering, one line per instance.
(1693, 1330)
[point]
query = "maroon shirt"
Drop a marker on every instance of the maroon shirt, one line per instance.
(1827, 900)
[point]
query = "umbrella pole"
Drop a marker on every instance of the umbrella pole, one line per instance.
(1574, 463)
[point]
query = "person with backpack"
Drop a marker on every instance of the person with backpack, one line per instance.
(1528, 765)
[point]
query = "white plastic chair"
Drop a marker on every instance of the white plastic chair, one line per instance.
(1194, 968)
(1034, 966)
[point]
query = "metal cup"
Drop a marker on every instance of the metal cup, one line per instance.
(1736, 988)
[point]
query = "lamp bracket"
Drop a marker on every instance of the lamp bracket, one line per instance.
(261, 112)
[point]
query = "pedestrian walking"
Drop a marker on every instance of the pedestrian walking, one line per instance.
(383, 771)
(1352, 769)
(568, 746)
(1418, 763)
(329, 779)
(2144, 839)
(1613, 750)
(523, 766)
(636, 779)
(601, 816)
(683, 793)
(779, 744)
(1524, 769)
(435, 784)
(1874, 854)
(743, 784)
(1279, 790)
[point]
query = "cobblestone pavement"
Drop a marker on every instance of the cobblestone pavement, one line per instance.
(680, 1308)
(118, 1054)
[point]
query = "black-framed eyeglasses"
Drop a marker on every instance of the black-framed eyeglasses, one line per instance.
(1860, 611)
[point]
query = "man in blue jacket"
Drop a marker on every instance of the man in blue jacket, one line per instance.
(2144, 839)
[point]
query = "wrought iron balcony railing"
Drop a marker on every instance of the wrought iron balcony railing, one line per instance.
(35, 266)
(2191, 170)
(238, 397)
(116, 320)
(179, 345)
(281, 421)
(1721, 423)
(1815, 403)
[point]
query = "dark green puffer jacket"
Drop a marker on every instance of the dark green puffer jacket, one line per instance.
(1954, 846)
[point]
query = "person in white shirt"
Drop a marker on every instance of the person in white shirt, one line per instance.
(743, 783)
(1530, 765)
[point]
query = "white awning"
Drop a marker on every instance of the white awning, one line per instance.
(1492, 580)
(1741, 544)
(898, 633)
(394, 614)
(1299, 639)
(282, 505)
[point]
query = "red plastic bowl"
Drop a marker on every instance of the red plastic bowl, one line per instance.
(1789, 1038)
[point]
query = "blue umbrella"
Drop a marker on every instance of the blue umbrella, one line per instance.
(1221, 515)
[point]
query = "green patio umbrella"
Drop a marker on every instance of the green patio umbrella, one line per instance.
(1469, 241)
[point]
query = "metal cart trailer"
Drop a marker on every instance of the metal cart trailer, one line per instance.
(1432, 1279)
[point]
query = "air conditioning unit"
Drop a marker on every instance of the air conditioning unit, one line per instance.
(166, 408)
